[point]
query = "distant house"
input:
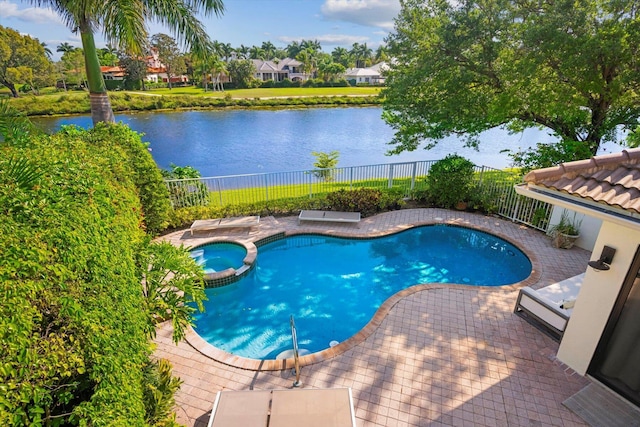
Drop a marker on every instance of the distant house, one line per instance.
(279, 70)
(602, 338)
(113, 73)
(159, 75)
(153, 60)
(370, 75)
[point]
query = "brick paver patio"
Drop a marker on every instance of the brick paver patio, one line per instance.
(447, 355)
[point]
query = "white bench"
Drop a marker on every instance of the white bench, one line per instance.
(550, 306)
(328, 216)
(233, 222)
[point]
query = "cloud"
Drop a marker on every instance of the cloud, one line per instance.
(328, 39)
(31, 14)
(370, 13)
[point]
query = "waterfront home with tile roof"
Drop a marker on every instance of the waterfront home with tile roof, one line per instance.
(602, 337)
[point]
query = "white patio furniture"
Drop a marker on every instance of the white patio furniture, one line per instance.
(328, 216)
(233, 222)
(551, 306)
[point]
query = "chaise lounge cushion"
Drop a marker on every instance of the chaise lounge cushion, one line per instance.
(552, 305)
(328, 216)
(233, 222)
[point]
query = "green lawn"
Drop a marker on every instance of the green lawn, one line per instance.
(270, 92)
(290, 92)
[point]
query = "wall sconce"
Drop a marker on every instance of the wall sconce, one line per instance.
(606, 258)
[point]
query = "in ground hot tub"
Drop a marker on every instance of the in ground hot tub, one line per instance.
(223, 262)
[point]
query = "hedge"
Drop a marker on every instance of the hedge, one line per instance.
(73, 346)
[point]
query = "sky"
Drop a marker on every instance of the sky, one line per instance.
(244, 22)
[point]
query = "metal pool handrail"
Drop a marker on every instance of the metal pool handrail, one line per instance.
(296, 360)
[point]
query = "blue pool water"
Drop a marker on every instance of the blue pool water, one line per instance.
(216, 257)
(333, 286)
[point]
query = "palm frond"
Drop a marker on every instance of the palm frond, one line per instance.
(179, 17)
(15, 127)
(124, 25)
(23, 173)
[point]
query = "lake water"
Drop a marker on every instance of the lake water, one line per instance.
(231, 142)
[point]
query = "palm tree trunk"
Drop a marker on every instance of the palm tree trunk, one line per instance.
(101, 110)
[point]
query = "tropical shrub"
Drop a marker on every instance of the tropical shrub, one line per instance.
(192, 192)
(367, 201)
(325, 164)
(73, 326)
(450, 181)
(171, 282)
(147, 178)
(160, 388)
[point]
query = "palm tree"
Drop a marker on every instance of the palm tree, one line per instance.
(226, 51)
(256, 52)
(293, 49)
(64, 47)
(308, 59)
(341, 56)
(218, 68)
(243, 52)
(362, 54)
(123, 22)
(47, 51)
(313, 45)
(269, 50)
(382, 54)
(279, 53)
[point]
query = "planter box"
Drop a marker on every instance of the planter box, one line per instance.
(564, 241)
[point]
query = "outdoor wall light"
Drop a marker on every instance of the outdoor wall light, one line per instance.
(606, 258)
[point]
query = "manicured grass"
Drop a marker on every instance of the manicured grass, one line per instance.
(277, 192)
(77, 102)
(270, 92)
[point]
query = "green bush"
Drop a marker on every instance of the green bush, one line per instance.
(147, 177)
(186, 193)
(367, 201)
(160, 388)
(450, 181)
(72, 321)
(183, 217)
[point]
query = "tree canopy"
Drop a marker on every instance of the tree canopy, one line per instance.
(468, 66)
(22, 60)
(169, 54)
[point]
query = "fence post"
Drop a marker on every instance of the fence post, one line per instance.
(515, 209)
(351, 178)
(413, 175)
(310, 186)
(266, 187)
(481, 175)
(219, 191)
(390, 184)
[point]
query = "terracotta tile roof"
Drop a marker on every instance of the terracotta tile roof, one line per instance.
(612, 179)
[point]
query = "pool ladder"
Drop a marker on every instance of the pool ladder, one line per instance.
(296, 357)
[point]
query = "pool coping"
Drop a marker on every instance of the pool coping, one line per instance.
(229, 275)
(208, 350)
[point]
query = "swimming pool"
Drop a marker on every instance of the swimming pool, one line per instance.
(333, 286)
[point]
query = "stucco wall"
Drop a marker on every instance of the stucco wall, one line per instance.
(597, 296)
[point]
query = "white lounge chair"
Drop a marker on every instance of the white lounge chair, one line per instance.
(328, 216)
(550, 306)
(284, 408)
(233, 222)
